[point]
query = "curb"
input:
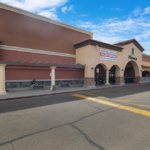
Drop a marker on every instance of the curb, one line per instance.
(15, 98)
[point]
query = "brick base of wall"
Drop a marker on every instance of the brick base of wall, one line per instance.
(119, 80)
(138, 79)
(89, 81)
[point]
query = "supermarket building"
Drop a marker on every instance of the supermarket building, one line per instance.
(54, 53)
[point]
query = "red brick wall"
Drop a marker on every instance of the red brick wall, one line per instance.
(29, 73)
(23, 31)
(22, 56)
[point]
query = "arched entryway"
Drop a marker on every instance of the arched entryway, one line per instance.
(145, 74)
(131, 72)
(113, 73)
(100, 74)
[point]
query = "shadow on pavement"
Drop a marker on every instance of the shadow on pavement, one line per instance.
(26, 103)
(120, 91)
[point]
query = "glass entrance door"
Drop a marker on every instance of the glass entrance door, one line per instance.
(112, 76)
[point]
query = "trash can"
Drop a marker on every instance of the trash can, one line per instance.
(54, 88)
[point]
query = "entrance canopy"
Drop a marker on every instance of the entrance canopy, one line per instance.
(41, 64)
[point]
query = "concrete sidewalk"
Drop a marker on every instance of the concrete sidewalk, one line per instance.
(42, 92)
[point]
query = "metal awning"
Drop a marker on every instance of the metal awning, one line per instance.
(41, 64)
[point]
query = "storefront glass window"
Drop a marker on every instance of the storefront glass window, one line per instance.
(132, 51)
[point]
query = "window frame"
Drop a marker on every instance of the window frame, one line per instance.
(132, 51)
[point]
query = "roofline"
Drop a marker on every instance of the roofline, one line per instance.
(146, 54)
(131, 41)
(99, 43)
(145, 66)
(42, 18)
(123, 42)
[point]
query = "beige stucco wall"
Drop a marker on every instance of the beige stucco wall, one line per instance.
(90, 55)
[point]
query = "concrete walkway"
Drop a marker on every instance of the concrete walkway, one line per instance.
(42, 92)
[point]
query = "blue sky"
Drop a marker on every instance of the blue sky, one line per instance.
(110, 21)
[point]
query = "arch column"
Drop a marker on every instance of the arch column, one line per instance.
(52, 77)
(89, 78)
(2, 79)
(107, 77)
(119, 78)
(138, 80)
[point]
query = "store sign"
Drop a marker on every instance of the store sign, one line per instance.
(108, 55)
(130, 57)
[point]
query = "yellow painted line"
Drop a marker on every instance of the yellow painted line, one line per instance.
(135, 110)
(137, 105)
(127, 102)
(124, 100)
(142, 101)
(139, 98)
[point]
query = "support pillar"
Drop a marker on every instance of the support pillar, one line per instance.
(89, 82)
(138, 80)
(52, 77)
(2, 79)
(119, 80)
(107, 77)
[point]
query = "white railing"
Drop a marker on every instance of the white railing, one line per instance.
(145, 79)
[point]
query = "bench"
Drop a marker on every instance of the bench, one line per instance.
(64, 85)
(38, 87)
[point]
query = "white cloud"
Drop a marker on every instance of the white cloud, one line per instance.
(83, 15)
(43, 7)
(146, 47)
(145, 35)
(49, 13)
(114, 30)
(65, 9)
(147, 10)
(137, 12)
(70, 8)
(115, 8)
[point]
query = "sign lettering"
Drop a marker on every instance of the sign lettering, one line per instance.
(108, 55)
(130, 57)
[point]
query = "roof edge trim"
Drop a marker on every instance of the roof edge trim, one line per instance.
(100, 44)
(134, 41)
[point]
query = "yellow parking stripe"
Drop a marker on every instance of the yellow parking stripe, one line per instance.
(135, 110)
(124, 100)
(127, 101)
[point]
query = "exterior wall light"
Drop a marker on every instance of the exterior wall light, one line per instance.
(96, 45)
(122, 70)
(92, 68)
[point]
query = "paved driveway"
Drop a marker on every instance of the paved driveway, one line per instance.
(108, 119)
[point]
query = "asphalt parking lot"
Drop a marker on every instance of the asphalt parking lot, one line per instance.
(106, 119)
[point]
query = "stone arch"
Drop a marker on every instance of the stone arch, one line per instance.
(118, 79)
(145, 72)
(118, 70)
(137, 74)
(104, 66)
(100, 73)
